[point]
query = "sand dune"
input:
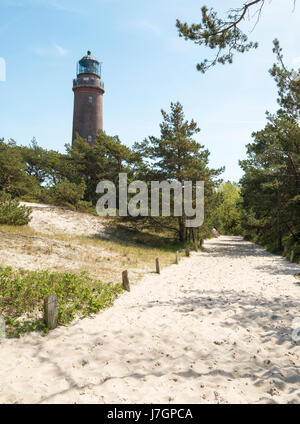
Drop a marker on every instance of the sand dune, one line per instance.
(48, 219)
(217, 328)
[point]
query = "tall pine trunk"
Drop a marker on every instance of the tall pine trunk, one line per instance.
(279, 233)
(181, 229)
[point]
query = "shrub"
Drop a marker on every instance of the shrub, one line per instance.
(22, 295)
(68, 194)
(11, 213)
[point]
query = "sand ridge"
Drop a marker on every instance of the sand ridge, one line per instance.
(214, 329)
(48, 219)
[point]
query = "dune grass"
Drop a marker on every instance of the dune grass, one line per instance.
(83, 271)
(103, 258)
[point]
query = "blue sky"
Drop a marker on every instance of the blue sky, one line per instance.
(145, 67)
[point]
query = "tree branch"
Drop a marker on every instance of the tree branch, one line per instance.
(223, 35)
(239, 19)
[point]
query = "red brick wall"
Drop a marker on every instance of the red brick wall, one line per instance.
(87, 117)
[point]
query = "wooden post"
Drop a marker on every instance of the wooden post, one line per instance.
(285, 251)
(292, 256)
(177, 258)
(187, 251)
(126, 285)
(157, 265)
(50, 312)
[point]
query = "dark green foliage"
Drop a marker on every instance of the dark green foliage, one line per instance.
(35, 174)
(68, 194)
(271, 185)
(13, 178)
(103, 160)
(11, 213)
(22, 294)
(71, 179)
(48, 167)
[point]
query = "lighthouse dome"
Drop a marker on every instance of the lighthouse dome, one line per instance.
(88, 65)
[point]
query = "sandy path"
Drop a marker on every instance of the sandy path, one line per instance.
(216, 329)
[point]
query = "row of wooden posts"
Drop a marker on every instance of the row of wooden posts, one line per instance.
(50, 304)
(125, 279)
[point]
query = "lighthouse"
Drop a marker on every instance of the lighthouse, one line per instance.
(88, 90)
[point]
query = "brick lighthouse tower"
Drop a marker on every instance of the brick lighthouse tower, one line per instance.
(88, 99)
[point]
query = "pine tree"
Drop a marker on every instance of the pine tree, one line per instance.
(177, 156)
(13, 178)
(11, 212)
(103, 160)
(271, 184)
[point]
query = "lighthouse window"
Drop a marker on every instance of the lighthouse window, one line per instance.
(90, 138)
(90, 99)
(86, 78)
